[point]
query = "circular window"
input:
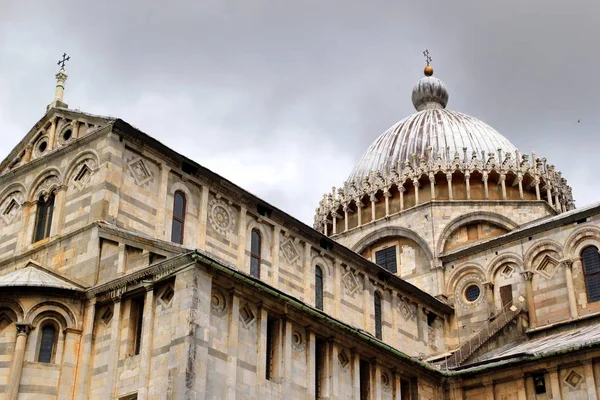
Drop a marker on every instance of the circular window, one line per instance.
(42, 147)
(472, 293)
(67, 135)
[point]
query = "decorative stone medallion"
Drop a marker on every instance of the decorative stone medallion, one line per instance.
(573, 379)
(343, 359)
(351, 284)
(386, 384)
(247, 316)
(406, 310)
(298, 341)
(547, 267)
(507, 271)
(84, 173)
(11, 207)
(218, 302)
(140, 171)
(289, 251)
(220, 216)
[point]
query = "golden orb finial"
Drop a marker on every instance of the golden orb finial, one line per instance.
(428, 70)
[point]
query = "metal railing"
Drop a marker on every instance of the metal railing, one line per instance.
(484, 333)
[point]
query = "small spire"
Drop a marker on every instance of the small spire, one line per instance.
(61, 77)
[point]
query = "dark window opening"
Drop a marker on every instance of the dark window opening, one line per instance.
(179, 204)
(271, 335)
(136, 320)
(377, 301)
(430, 319)
(591, 271)
(67, 135)
(405, 390)
(255, 253)
(365, 380)
(472, 293)
(320, 354)
(319, 287)
(47, 343)
(43, 220)
(539, 383)
(386, 258)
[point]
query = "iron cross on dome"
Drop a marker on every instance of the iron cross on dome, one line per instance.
(62, 62)
(427, 57)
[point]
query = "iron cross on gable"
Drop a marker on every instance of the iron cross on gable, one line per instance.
(427, 57)
(62, 62)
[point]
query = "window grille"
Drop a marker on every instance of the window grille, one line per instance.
(43, 219)
(179, 205)
(47, 344)
(386, 258)
(378, 333)
(591, 270)
(255, 253)
(319, 287)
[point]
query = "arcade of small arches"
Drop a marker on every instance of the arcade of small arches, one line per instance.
(384, 193)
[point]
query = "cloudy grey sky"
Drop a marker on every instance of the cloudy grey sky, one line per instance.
(283, 97)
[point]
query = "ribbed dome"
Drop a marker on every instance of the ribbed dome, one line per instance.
(435, 128)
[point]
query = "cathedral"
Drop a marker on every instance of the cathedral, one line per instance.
(450, 265)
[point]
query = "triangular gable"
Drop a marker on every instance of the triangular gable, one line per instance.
(34, 133)
(34, 275)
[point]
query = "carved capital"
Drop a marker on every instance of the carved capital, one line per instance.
(23, 329)
(527, 275)
(489, 285)
(567, 263)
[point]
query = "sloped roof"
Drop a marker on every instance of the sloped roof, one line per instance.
(34, 276)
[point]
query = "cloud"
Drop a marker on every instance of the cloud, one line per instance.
(283, 97)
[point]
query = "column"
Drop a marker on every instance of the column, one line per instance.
(75, 128)
(588, 371)
(241, 253)
(394, 315)
(30, 221)
(387, 196)
(432, 186)
(468, 185)
(27, 155)
(485, 186)
(68, 364)
(325, 231)
(441, 279)
(456, 390)
(449, 179)
(373, 202)
(287, 355)
(549, 195)
(59, 210)
(401, 189)
(520, 183)
(52, 133)
(555, 384)
(367, 304)
(489, 391)
(82, 378)
(537, 188)
(359, 211)
(146, 350)
(334, 228)
(122, 259)
(82, 129)
(334, 371)
(115, 344)
(376, 380)
(397, 385)
(568, 265)
(356, 375)
(261, 364)
(521, 392)
(16, 367)
(203, 216)
(311, 359)
(275, 256)
(345, 218)
(161, 226)
(503, 184)
(416, 185)
(556, 200)
(528, 276)
(232, 348)
(489, 291)
(307, 267)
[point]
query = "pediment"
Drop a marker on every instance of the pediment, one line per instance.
(35, 143)
(34, 275)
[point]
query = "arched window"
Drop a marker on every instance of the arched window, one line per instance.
(43, 220)
(591, 270)
(319, 287)
(255, 247)
(178, 217)
(47, 343)
(377, 302)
